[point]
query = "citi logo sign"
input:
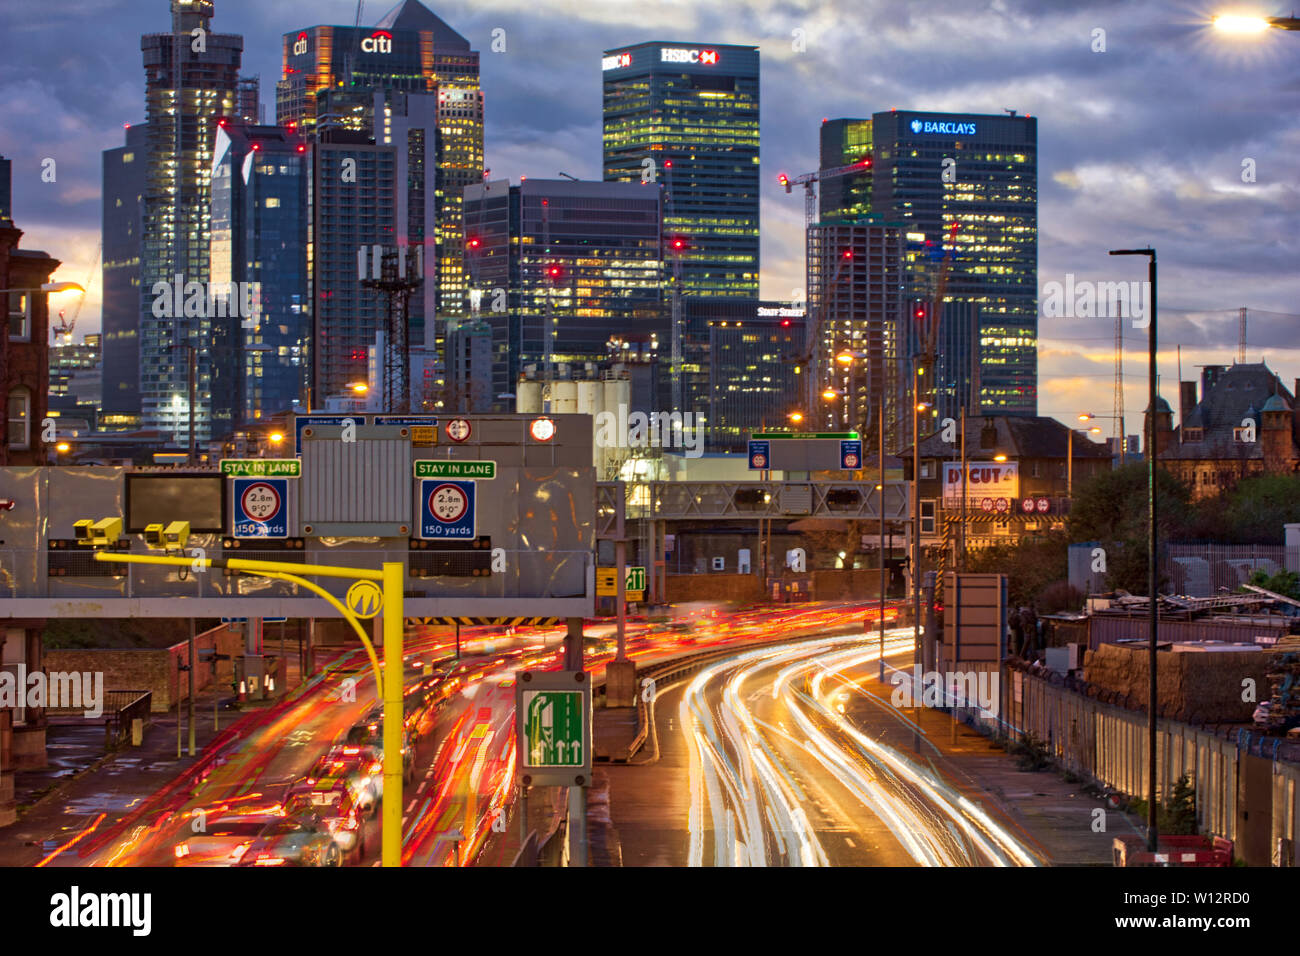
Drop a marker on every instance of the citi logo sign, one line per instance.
(378, 42)
(674, 55)
(300, 45)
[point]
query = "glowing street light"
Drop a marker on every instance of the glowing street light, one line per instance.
(796, 417)
(1242, 25)
(830, 394)
(276, 437)
(359, 387)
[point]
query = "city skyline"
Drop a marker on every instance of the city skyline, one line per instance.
(1104, 181)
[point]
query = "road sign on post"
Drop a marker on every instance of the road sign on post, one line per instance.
(607, 582)
(553, 727)
(261, 508)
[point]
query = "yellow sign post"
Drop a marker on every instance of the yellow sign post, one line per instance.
(373, 593)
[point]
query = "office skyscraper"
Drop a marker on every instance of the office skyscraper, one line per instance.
(979, 172)
(856, 300)
(123, 233)
(259, 238)
(189, 86)
(590, 252)
(330, 76)
(365, 191)
(686, 116)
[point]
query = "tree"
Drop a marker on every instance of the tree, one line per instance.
(1252, 512)
(1112, 505)
(1030, 565)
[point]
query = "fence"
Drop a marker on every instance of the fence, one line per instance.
(1206, 570)
(1195, 570)
(121, 708)
(1247, 786)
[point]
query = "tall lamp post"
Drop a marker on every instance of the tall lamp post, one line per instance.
(1153, 622)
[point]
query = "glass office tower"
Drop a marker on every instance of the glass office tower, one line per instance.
(685, 116)
(186, 92)
(259, 216)
(330, 76)
(978, 172)
(586, 252)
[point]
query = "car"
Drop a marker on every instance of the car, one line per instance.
(222, 842)
(370, 733)
(332, 800)
(360, 765)
(294, 839)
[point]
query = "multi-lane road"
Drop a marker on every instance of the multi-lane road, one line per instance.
(461, 795)
(789, 756)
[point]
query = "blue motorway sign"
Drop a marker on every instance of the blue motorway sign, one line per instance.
(447, 509)
(760, 455)
(261, 508)
(305, 421)
(850, 455)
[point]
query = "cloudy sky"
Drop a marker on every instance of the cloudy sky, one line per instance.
(1144, 142)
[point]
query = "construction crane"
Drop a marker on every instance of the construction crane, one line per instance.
(809, 190)
(66, 325)
(929, 316)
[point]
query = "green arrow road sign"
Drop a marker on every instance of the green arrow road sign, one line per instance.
(635, 579)
(553, 728)
(261, 467)
(456, 469)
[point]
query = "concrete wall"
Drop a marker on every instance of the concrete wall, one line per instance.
(151, 669)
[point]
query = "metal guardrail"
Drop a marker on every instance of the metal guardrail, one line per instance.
(120, 709)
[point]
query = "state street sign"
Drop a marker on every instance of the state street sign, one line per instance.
(486, 470)
(553, 727)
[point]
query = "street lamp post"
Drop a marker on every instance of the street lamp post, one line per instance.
(1153, 620)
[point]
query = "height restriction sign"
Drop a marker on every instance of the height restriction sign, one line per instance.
(261, 508)
(447, 509)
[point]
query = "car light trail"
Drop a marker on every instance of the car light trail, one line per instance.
(754, 802)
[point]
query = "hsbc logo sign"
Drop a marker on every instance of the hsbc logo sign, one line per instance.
(300, 45)
(615, 62)
(378, 42)
(678, 55)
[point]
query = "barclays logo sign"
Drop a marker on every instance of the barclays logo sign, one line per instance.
(952, 129)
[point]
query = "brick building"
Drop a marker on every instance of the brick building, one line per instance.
(24, 347)
(25, 379)
(1243, 422)
(1022, 470)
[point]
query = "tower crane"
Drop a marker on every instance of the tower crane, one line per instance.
(809, 190)
(929, 315)
(66, 325)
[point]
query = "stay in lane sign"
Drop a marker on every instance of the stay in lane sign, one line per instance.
(447, 509)
(261, 508)
(455, 469)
